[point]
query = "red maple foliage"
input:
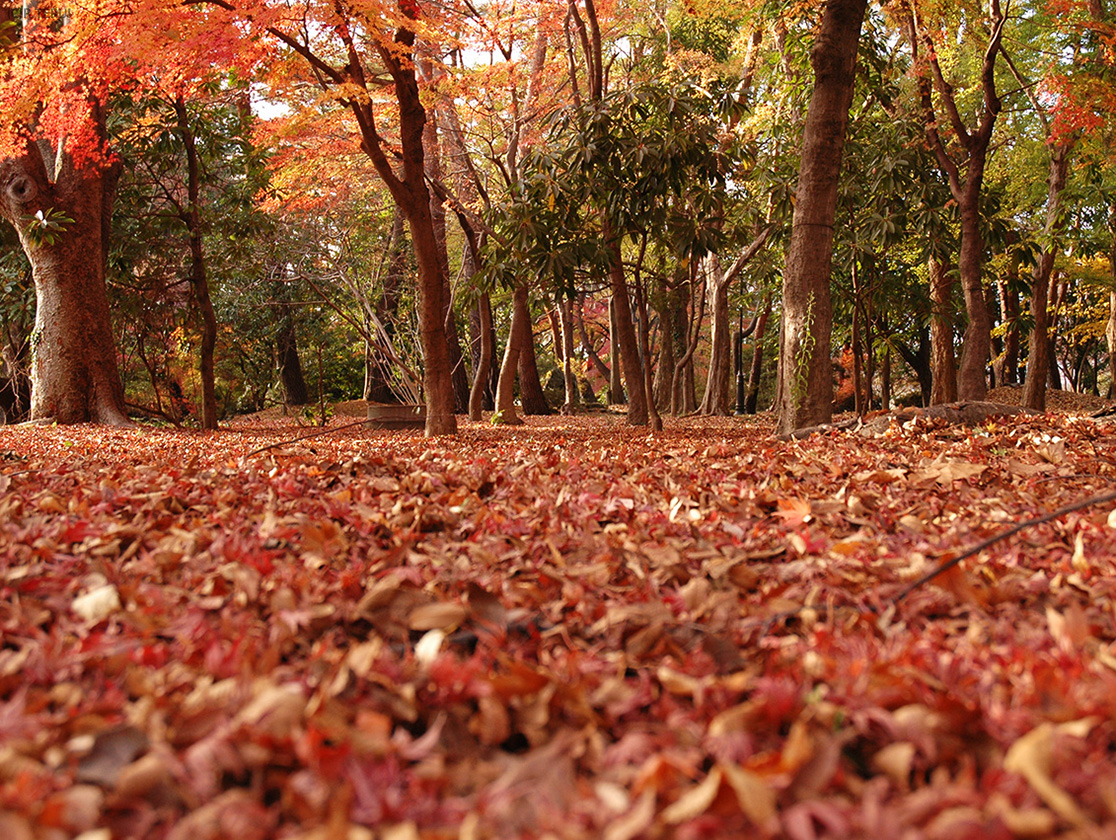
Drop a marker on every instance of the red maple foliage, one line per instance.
(570, 629)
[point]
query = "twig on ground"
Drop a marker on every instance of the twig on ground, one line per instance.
(1003, 535)
(319, 433)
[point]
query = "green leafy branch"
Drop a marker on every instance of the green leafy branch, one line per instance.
(46, 226)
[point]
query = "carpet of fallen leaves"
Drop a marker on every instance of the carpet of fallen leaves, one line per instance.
(571, 629)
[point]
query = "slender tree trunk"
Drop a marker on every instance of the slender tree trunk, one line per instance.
(751, 401)
(626, 338)
(518, 335)
(1039, 366)
(569, 378)
(806, 393)
(587, 343)
(199, 282)
(976, 345)
(1110, 334)
(966, 180)
(616, 395)
(943, 387)
(719, 376)
(483, 363)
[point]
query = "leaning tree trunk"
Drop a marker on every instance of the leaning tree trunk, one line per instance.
(74, 372)
(805, 370)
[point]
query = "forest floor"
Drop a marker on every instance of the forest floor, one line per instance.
(568, 629)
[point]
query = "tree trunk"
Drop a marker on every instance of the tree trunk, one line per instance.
(943, 383)
(1110, 335)
(569, 379)
(518, 335)
(751, 402)
(74, 372)
(1039, 366)
(806, 393)
(976, 344)
(530, 386)
(199, 282)
(626, 339)
(965, 188)
(616, 395)
(718, 379)
(483, 361)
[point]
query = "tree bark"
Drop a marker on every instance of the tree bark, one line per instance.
(531, 393)
(715, 400)
(626, 338)
(199, 281)
(483, 361)
(518, 336)
(74, 371)
(966, 187)
(751, 401)
(806, 392)
(1039, 367)
(572, 402)
(943, 366)
(616, 395)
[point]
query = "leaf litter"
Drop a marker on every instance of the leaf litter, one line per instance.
(571, 629)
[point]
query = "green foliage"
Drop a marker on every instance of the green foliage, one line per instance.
(45, 227)
(653, 159)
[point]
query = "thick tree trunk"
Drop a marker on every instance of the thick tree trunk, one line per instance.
(1039, 367)
(74, 372)
(943, 387)
(806, 393)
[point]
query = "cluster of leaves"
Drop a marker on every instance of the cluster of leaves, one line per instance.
(574, 630)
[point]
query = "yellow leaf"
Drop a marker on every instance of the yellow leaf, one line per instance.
(696, 801)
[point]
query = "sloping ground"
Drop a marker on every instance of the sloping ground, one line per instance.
(569, 629)
(1066, 401)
